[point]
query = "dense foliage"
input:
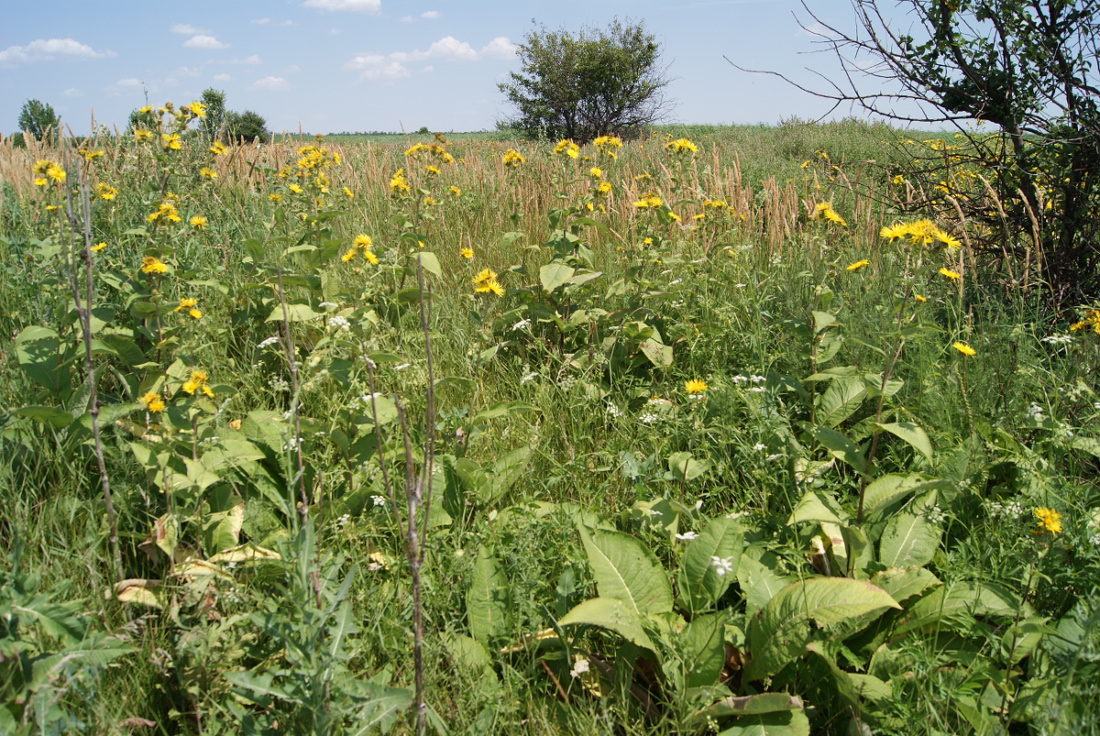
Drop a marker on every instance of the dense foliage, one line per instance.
(582, 85)
(38, 120)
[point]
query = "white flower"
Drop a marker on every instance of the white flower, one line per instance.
(674, 282)
(759, 447)
(739, 379)
(1058, 339)
(339, 322)
(740, 286)
(268, 342)
(329, 304)
(723, 565)
(648, 418)
(1034, 411)
(378, 500)
(401, 367)
(579, 667)
(776, 456)
(757, 379)
(757, 390)
(614, 411)
(521, 325)
(687, 536)
(529, 377)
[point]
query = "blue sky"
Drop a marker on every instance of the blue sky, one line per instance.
(327, 66)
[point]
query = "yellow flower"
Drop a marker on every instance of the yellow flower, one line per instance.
(361, 244)
(858, 265)
(56, 173)
(171, 141)
(898, 179)
(1048, 520)
(98, 247)
(604, 188)
(568, 147)
(89, 154)
(40, 181)
(348, 193)
(485, 275)
(681, 145)
(695, 386)
(920, 299)
(149, 264)
(466, 253)
(294, 188)
(185, 303)
(607, 142)
(824, 211)
(649, 200)
(963, 348)
(198, 109)
(432, 170)
(208, 173)
(492, 285)
(147, 108)
(197, 382)
(949, 274)
(596, 172)
(363, 241)
(152, 402)
(218, 148)
(141, 134)
(429, 201)
(398, 184)
(105, 191)
(512, 158)
(455, 191)
(195, 313)
(198, 222)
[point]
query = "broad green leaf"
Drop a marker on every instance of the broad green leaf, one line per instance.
(554, 274)
(959, 603)
(760, 582)
(912, 434)
(611, 614)
(502, 409)
(54, 416)
(817, 506)
(659, 354)
(488, 602)
(469, 654)
(747, 705)
(625, 569)
(683, 466)
(904, 584)
(840, 400)
(883, 493)
(704, 650)
(379, 710)
(823, 320)
(781, 631)
(699, 581)
(909, 538)
(840, 447)
(504, 473)
(294, 313)
(429, 263)
(788, 723)
(222, 530)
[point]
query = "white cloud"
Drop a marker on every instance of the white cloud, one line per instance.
(268, 21)
(292, 69)
(430, 15)
(202, 41)
(187, 30)
(129, 82)
(271, 84)
(499, 48)
(262, 21)
(407, 19)
(357, 6)
(53, 49)
(73, 92)
(250, 60)
(377, 67)
(222, 78)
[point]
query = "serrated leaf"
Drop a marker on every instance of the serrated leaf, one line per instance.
(698, 580)
(781, 631)
(488, 602)
(611, 614)
(626, 570)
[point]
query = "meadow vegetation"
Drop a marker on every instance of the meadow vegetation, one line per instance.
(730, 430)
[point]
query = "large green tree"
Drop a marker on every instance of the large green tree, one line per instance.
(586, 84)
(1026, 69)
(38, 119)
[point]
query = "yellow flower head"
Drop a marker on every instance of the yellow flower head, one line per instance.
(171, 141)
(98, 247)
(490, 286)
(149, 264)
(485, 275)
(963, 348)
(198, 109)
(568, 147)
(198, 222)
(604, 188)
(105, 191)
(649, 200)
(348, 193)
(681, 145)
(695, 386)
(824, 211)
(218, 148)
(363, 241)
(512, 158)
(858, 265)
(466, 253)
(141, 134)
(455, 191)
(207, 173)
(185, 303)
(197, 382)
(1048, 520)
(152, 402)
(398, 185)
(948, 274)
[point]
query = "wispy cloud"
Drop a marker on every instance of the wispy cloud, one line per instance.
(271, 84)
(186, 30)
(378, 67)
(269, 21)
(355, 6)
(53, 49)
(203, 41)
(430, 15)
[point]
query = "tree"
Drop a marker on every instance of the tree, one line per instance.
(247, 125)
(215, 112)
(38, 119)
(580, 86)
(1027, 68)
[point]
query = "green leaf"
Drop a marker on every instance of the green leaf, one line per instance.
(222, 530)
(903, 584)
(840, 400)
(912, 434)
(745, 705)
(488, 602)
(704, 650)
(611, 614)
(698, 580)
(817, 506)
(504, 473)
(625, 569)
(554, 274)
(781, 631)
(760, 582)
(429, 263)
(840, 447)
(909, 538)
(502, 409)
(656, 352)
(294, 313)
(959, 603)
(884, 493)
(682, 466)
(54, 416)
(787, 723)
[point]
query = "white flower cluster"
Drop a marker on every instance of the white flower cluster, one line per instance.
(338, 322)
(268, 342)
(722, 565)
(1010, 510)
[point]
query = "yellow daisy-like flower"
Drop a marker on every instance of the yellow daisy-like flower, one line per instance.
(466, 253)
(145, 109)
(295, 188)
(56, 173)
(429, 201)
(218, 148)
(105, 191)
(948, 274)
(604, 188)
(513, 158)
(695, 386)
(398, 184)
(920, 299)
(455, 191)
(195, 313)
(1048, 520)
(484, 275)
(88, 154)
(171, 141)
(149, 264)
(207, 173)
(363, 241)
(197, 382)
(40, 181)
(98, 247)
(492, 285)
(649, 200)
(681, 145)
(607, 142)
(152, 402)
(824, 211)
(568, 147)
(858, 265)
(198, 109)
(275, 197)
(596, 172)
(348, 193)
(185, 303)
(141, 134)
(963, 348)
(198, 222)
(432, 170)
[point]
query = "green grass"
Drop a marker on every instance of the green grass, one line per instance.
(752, 300)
